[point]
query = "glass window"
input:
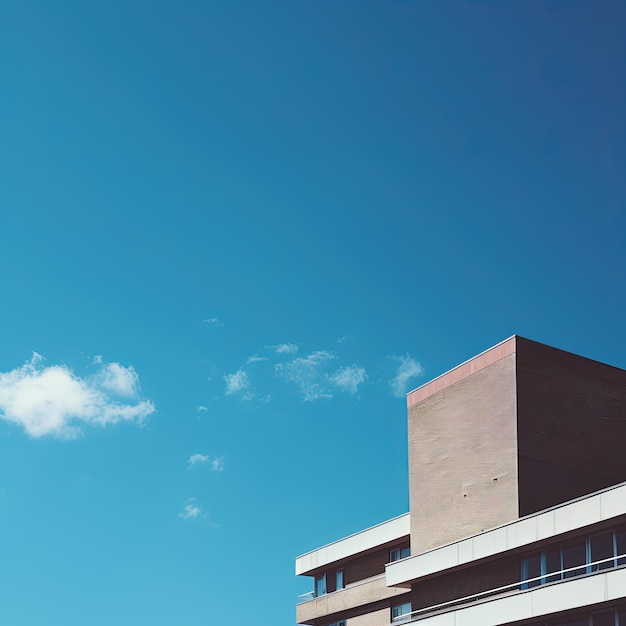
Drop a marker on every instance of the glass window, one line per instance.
(553, 564)
(400, 553)
(531, 568)
(620, 537)
(574, 553)
(320, 585)
(601, 549)
(340, 579)
(401, 610)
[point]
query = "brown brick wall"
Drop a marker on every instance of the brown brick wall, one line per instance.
(361, 567)
(367, 565)
(571, 426)
(467, 582)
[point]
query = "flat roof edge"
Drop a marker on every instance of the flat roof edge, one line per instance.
(360, 541)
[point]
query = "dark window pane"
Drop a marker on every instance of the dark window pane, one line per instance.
(574, 553)
(553, 564)
(531, 568)
(621, 613)
(602, 548)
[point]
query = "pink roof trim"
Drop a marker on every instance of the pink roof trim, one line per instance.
(462, 371)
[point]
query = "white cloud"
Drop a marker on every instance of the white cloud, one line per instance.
(349, 378)
(255, 358)
(213, 321)
(309, 374)
(217, 464)
(285, 348)
(52, 400)
(190, 510)
(407, 369)
(196, 458)
(119, 380)
(202, 409)
(236, 382)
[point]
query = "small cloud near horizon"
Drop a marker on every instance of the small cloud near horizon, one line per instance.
(196, 458)
(349, 378)
(216, 464)
(255, 358)
(237, 382)
(213, 321)
(308, 374)
(285, 348)
(191, 510)
(408, 368)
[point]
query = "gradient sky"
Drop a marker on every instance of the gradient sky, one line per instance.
(234, 234)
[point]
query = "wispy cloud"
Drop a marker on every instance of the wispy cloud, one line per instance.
(255, 358)
(196, 458)
(213, 321)
(52, 400)
(237, 382)
(191, 510)
(285, 348)
(309, 374)
(202, 409)
(217, 464)
(349, 378)
(408, 368)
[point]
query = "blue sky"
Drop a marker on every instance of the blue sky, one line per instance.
(234, 234)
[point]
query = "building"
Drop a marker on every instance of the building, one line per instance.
(517, 463)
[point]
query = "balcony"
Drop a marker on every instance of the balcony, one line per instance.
(521, 600)
(354, 595)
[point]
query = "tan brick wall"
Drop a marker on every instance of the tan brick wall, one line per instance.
(382, 617)
(463, 458)
(360, 599)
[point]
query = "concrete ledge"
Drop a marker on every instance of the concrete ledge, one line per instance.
(378, 535)
(359, 594)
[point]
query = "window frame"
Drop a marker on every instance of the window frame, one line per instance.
(399, 552)
(340, 573)
(578, 570)
(320, 579)
(401, 606)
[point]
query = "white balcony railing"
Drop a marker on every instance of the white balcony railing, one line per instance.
(521, 585)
